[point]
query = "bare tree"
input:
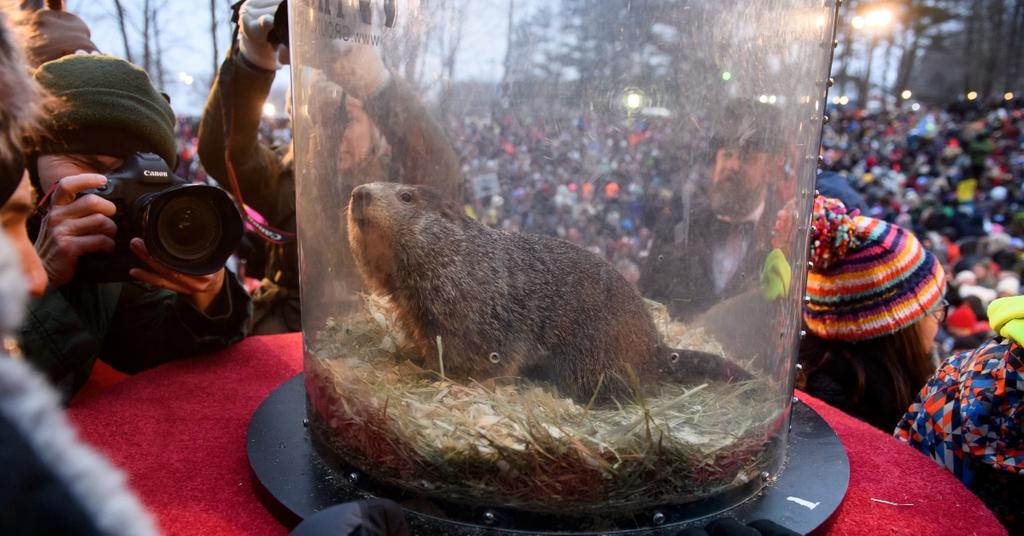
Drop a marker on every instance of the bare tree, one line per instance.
(972, 47)
(213, 35)
(509, 40)
(147, 54)
(917, 24)
(159, 70)
(1013, 47)
(453, 18)
(405, 54)
(995, 21)
(122, 24)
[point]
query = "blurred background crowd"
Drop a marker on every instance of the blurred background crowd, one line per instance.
(951, 174)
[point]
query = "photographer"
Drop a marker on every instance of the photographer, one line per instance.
(264, 172)
(107, 112)
(389, 135)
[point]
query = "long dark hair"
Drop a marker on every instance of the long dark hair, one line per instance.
(904, 358)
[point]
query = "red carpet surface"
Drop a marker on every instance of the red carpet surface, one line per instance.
(179, 433)
(103, 377)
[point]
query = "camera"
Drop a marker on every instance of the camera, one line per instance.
(279, 33)
(190, 228)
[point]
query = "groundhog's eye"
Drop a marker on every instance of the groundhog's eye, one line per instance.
(406, 197)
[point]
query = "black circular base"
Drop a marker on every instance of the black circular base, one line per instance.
(296, 481)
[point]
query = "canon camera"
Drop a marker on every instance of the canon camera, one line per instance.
(190, 228)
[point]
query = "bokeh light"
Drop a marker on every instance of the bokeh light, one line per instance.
(633, 100)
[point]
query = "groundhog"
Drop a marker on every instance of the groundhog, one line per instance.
(508, 304)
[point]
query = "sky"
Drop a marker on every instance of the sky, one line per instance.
(188, 47)
(186, 38)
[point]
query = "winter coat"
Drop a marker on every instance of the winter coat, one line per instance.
(51, 482)
(130, 326)
(968, 419)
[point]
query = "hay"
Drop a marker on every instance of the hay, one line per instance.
(522, 446)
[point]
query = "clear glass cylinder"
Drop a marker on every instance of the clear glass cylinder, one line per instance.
(553, 253)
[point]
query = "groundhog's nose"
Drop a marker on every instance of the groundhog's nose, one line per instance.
(361, 195)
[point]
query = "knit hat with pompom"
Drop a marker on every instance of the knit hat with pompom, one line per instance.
(868, 278)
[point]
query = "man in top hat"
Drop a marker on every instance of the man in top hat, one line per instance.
(712, 245)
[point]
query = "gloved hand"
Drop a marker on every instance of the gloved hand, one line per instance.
(358, 66)
(256, 22)
(1006, 315)
(776, 276)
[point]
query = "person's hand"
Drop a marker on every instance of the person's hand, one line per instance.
(75, 226)
(198, 289)
(323, 93)
(359, 69)
(357, 65)
(257, 20)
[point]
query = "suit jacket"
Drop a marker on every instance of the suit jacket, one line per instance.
(680, 270)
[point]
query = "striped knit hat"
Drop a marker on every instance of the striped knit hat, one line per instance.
(868, 278)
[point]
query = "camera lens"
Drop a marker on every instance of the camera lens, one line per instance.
(189, 228)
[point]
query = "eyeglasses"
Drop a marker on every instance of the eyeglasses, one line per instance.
(941, 311)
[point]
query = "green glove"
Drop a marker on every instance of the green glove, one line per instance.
(775, 276)
(1006, 316)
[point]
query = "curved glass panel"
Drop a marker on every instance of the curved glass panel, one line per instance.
(552, 253)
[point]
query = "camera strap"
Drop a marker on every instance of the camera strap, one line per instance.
(265, 231)
(43, 206)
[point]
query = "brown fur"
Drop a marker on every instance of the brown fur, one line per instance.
(549, 310)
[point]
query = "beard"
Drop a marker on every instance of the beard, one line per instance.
(733, 199)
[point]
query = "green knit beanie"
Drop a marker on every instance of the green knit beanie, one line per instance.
(104, 106)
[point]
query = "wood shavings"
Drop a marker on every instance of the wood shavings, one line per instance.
(890, 503)
(521, 445)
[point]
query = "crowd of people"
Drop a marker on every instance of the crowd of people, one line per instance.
(953, 176)
(930, 213)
